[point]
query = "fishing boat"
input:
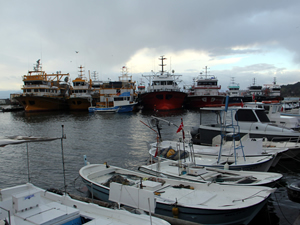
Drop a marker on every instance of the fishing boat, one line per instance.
(252, 121)
(250, 148)
(208, 156)
(120, 103)
(293, 191)
(254, 92)
(204, 92)
(190, 172)
(235, 97)
(28, 204)
(115, 96)
(186, 200)
(164, 92)
(141, 88)
(292, 145)
(290, 107)
(218, 160)
(44, 92)
(271, 92)
(81, 92)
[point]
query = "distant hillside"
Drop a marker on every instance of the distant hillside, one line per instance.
(290, 90)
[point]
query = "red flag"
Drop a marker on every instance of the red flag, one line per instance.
(180, 127)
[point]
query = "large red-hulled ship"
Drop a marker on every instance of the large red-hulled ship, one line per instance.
(204, 92)
(164, 92)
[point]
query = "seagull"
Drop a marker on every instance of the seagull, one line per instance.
(76, 51)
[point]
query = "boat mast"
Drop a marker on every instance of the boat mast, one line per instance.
(81, 71)
(205, 71)
(162, 64)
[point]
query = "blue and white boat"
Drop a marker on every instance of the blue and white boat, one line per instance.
(121, 103)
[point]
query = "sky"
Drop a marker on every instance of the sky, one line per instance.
(247, 40)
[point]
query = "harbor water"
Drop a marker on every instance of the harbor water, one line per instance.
(118, 139)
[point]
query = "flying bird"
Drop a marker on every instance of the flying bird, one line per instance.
(76, 51)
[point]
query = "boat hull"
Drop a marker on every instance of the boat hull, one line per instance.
(119, 109)
(162, 100)
(78, 104)
(196, 102)
(203, 216)
(293, 191)
(42, 103)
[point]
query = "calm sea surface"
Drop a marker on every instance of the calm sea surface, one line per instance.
(119, 139)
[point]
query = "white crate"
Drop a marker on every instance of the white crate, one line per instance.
(25, 200)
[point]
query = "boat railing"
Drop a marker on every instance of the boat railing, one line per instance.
(287, 140)
(8, 215)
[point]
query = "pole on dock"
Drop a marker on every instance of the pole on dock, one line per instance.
(63, 160)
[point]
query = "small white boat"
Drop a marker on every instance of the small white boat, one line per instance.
(191, 201)
(182, 171)
(234, 162)
(29, 205)
(251, 147)
(292, 146)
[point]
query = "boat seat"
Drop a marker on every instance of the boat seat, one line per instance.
(101, 173)
(210, 174)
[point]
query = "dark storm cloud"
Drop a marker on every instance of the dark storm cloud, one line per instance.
(108, 33)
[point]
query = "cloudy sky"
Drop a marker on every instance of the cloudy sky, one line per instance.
(233, 38)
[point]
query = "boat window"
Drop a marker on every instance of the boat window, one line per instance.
(163, 83)
(168, 96)
(267, 108)
(159, 96)
(36, 90)
(170, 83)
(274, 109)
(262, 116)
(207, 83)
(245, 115)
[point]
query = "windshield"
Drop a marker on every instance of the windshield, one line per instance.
(262, 116)
(245, 115)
